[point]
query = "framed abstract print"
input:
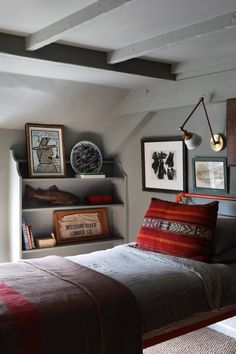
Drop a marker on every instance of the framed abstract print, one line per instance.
(163, 164)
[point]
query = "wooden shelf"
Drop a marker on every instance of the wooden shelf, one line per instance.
(72, 249)
(71, 207)
(40, 214)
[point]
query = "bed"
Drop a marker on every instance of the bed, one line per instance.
(130, 297)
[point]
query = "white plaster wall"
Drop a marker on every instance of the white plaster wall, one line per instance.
(8, 138)
(80, 106)
(84, 110)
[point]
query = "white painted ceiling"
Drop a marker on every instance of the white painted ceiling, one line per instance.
(33, 90)
(131, 22)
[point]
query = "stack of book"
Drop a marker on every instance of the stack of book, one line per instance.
(27, 236)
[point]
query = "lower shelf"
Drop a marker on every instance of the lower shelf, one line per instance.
(73, 249)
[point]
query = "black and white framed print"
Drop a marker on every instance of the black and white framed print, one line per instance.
(163, 164)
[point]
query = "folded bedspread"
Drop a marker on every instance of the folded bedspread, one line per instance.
(167, 288)
(52, 305)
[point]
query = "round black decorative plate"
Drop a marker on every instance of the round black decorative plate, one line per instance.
(86, 157)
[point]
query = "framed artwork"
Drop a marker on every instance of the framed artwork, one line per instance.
(45, 150)
(210, 174)
(163, 164)
(80, 225)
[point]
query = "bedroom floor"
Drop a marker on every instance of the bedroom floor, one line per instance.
(205, 341)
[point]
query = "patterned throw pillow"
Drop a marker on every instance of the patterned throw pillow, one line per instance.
(179, 229)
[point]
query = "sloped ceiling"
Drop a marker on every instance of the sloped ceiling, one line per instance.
(40, 100)
(54, 54)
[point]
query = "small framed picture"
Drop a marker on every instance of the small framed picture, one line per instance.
(210, 174)
(80, 225)
(163, 164)
(45, 150)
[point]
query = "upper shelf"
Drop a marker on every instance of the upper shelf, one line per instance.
(110, 168)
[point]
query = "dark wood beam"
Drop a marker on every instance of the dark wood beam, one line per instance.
(231, 131)
(61, 53)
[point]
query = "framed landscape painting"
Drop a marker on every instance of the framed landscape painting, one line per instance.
(210, 174)
(45, 150)
(163, 164)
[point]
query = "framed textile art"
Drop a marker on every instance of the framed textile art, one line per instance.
(45, 150)
(76, 225)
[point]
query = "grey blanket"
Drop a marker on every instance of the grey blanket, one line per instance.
(52, 305)
(167, 288)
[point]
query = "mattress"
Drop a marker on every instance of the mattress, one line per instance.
(168, 289)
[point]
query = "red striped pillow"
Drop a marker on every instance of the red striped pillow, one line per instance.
(179, 229)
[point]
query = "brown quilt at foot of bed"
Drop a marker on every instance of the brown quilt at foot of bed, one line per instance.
(52, 305)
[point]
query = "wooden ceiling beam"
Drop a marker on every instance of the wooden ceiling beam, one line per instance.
(56, 30)
(180, 35)
(200, 67)
(81, 57)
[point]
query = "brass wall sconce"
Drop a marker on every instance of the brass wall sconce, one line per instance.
(193, 140)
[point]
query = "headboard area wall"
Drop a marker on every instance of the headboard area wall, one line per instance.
(227, 205)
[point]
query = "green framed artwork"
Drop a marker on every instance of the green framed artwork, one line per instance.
(210, 174)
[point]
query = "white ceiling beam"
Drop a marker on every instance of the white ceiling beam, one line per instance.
(58, 29)
(199, 29)
(13, 64)
(200, 67)
(170, 95)
(190, 65)
(207, 70)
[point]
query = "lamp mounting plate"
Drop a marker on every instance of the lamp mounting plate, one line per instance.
(219, 143)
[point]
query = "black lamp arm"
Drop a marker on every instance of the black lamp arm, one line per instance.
(190, 115)
(208, 121)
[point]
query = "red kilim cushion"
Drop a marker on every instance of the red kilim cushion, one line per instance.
(179, 229)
